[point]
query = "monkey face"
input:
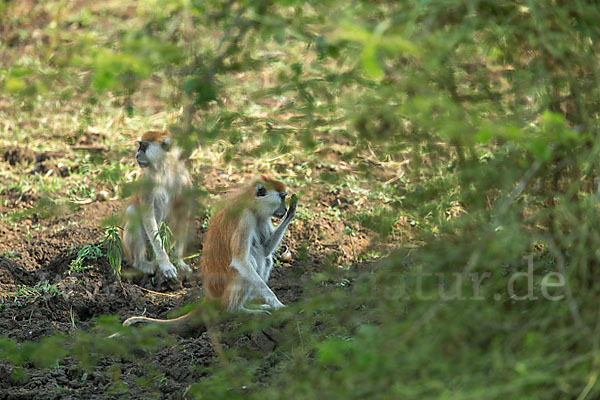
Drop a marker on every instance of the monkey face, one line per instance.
(271, 202)
(151, 153)
(140, 156)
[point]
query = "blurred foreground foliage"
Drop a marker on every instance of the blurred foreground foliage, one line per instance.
(496, 103)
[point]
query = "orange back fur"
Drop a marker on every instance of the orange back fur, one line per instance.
(217, 252)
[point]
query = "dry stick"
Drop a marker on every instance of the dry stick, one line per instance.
(159, 293)
(474, 258)
(121, 285)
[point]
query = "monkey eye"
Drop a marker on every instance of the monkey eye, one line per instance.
(143, 145)
(261, 191)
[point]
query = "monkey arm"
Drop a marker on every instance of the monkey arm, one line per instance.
(151, 228)
(275, 238)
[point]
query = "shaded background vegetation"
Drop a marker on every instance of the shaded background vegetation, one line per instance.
(463, 133)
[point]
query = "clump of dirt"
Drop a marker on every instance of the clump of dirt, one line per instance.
(18, 155)
(43, 162)
(89, 139)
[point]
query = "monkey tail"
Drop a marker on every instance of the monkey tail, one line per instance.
(174, 321)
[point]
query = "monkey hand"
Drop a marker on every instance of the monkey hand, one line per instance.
(168, 269)
(292, 209)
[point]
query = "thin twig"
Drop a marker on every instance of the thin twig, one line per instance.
(573, 309)
(159, 293)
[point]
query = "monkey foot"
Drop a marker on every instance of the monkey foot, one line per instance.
(254, 311)
(147, 267)
(183, 266)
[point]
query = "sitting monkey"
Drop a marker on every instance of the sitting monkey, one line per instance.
(163, 198)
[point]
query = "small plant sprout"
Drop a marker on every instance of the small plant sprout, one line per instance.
(114, 248)
(72, 317)
(40, 289)
(10, 254)
(165, 235)
(87, 252)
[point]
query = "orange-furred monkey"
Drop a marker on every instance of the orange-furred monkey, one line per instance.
(164, 197)
(237, 257)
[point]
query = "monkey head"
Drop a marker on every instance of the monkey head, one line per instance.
(154, 145)
(270, 196)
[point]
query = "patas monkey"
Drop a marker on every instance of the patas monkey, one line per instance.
(237, 257)
(164, 197)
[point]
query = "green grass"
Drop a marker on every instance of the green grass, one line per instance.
(87, 253)
(40, 289)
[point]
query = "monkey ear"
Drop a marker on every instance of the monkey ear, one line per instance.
(260, 190)
(166, 144)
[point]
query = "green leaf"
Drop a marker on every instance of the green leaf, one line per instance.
(370, 63)
(15, 85)
(541, 150)
(484, 135)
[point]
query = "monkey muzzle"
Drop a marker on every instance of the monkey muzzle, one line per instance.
(140, 156)
(280, 212)
(142, 159)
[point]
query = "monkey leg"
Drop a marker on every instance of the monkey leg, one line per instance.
(238, 293)
(253, 284)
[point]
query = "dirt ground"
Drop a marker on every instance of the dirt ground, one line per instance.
(36, 250)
